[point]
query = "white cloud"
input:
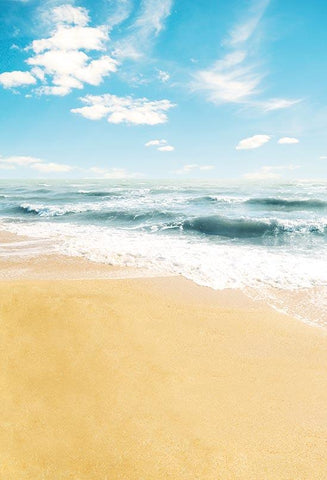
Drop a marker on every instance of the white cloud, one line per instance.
(269, 172)
(166, 148)
(243, 31)
(19, 160)
(193, 167)
(43, 167)
(16, 79)
(96, 70)
(229, 80)
(148, 24)
(63, 62)
(235, 78)
(92, 112)
(155, 143)
(73, 38)
(277, 104)
(288, 140)
(264, 173)
(57, 91)
(120, 11)
(161, 145)
(51, 167)
(71, 15)
(59, 62)
(10, 163)
(153, 15)
(133, 111)
(71, 69)
(253, 142)
(163, 76)
(323, 157)
(113, 172)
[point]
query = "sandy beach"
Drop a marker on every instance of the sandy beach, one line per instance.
(163, 240)
(155, 378)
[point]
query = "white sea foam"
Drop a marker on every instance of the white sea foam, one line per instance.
(251, 269)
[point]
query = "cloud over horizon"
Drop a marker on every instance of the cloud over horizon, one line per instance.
(268, 172)
(185, 169)
(34, 163)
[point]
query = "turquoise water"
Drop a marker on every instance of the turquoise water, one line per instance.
(264, 239)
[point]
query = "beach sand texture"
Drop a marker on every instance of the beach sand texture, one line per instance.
(141, 379)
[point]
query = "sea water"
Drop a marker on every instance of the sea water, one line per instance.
(269, 240)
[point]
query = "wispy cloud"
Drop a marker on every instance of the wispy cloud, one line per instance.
(120, 10)
(52, 167)
(251, 143)
(129, 110)
(19, 160)
(235, 77)
(276, 104)
(113, 173)
(268, 172)
(193, 167)
(11, 163)
(153, 15)
(229, 80)
(67, 14)
(244, 30)
(147, 25)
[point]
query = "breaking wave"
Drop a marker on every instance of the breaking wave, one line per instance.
(248, 228)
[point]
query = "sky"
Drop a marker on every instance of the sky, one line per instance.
(163, 89)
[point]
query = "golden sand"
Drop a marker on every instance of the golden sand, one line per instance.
(141, 379)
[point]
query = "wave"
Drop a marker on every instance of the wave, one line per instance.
(215, 199)
(93, 213)
(299, 204)
(239, 227)
(43, 211)
(248, 228)
(42, 190)
(125, 216)
(287, 203)
(95, 193)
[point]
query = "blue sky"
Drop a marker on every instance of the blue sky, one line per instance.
(163, 88)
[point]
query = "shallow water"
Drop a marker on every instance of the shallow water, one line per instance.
(268, 240)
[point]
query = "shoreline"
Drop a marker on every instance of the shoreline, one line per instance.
(56, 266)
(22, 260)
(155, 378)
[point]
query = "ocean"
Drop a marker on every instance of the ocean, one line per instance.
(268, 240)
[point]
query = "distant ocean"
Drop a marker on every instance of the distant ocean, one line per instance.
(268, 240)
